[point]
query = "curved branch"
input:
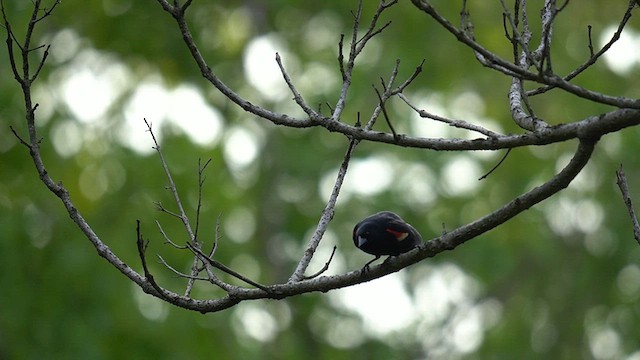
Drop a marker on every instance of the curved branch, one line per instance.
(588, 131)
(596, 125)
(523, 202)
(448, 241)
(207, 73)
(618, 118)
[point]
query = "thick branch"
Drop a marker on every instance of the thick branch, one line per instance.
(523, 202)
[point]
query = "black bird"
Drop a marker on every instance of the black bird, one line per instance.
(385, 233)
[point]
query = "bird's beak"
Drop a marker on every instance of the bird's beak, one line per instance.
(361, 240)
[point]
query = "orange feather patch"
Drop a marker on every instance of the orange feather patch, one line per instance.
(399, 235)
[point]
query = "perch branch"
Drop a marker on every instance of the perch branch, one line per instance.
(446, 241)
(586, 131)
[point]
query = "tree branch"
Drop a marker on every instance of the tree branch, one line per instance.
(593, 58)
(228, 270)
(461, 124)
(497, 63)
(325, 218)
(587, 131)
(296, 95)
(624, 189)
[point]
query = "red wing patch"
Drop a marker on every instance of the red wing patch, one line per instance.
(399, 235)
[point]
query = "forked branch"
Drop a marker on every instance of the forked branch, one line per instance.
(587, 131)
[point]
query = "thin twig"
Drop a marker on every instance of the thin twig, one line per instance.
(324, 268)
(622, 184)
(496, 166)
(218, 236)
(181, 213)
(408, 82)
(47, 12)
(385, 96)
(180, 274)
(384, 112)
(186, 5)
(163, 209)
(142, 248)
(41, 64)
(465, 21)
(11, 40)
(172, 186)
(590, 45)
(220, 266)
(201, 179)
(296, 94)
(520, 38)
(341, 58)
(451, 122)
(566, 2)
(167, 239)
(22, 141)
(212, 278)
(372, 31)
(355, 48)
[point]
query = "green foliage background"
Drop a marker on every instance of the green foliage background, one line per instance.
(561, 294)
